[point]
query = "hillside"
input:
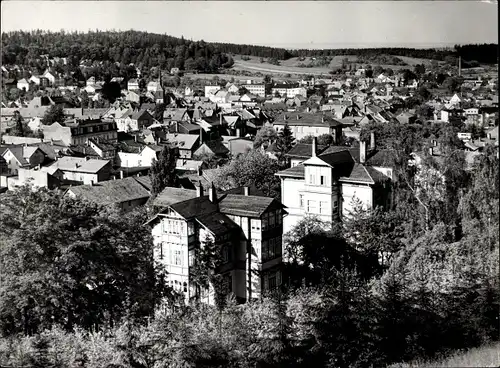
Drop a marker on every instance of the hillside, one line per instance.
(153, 50)
(485, 356)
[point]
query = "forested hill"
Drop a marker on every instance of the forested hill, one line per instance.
(149, 49)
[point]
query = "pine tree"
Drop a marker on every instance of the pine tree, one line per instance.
(163, 171)
(284, 143)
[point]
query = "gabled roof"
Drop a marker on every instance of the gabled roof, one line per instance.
(303, 150)
(217, 223)
(78, 164)
(171, 195)
(112, 191)
(293, 172)
(197, 206)
(184, 141)
(249, 206)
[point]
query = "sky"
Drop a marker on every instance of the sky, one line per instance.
(288, 24)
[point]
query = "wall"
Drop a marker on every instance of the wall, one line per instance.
(300, 132)
(364, 193)
(290, 197)
(145, 158)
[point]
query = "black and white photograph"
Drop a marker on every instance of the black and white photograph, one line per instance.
(249, 184)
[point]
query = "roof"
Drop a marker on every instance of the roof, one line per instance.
(384, 157)
(112, 191)
(249, 206)
(217, 223)
(21, 153)
(79, 164)
(197, 206)
(307, 119)
(171, 195)
(303, 150)
(293, 172)
(359, 173)
(217, 147)
(184, 141)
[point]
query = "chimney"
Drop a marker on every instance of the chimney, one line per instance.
(431, 151)
(121, 174)
(91, 183)
(177, 127)
(238, 132)
(297, 116)
(135, 138)
(245, 191)
(212, 194)
(199, 170)
(201, 136)
(489, 135)
(138, 174)
(314, 143)
(199, 189)
(372, 140)
(362, 152)
(323, 118)
(51, 142)
(434, 143)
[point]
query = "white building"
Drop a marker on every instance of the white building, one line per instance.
(331, 184)
(210, 90)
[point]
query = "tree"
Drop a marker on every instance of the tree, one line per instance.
(452, 84)
(72, 263)
(419, 69)
(111, 91)
(162, 171)
(55, 113)
(159, 110)
(252, 168)
(265, 136)
(284, 143)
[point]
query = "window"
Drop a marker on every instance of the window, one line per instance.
(322, 207)
(272, 244)
(264, 222)
(190, 228)
(312, 179)
(301, 200)
(177, 258)
(311, 206)
(272, 219)
(279, 218)
(272, 281)
(335, 204)
(278, 246)
(225, 254)
(322, 179)
(161, 250)
(192, 257)
(185, 286)
(255, 225)
(265, 250)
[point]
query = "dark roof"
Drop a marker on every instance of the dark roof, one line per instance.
(249, 206)
(304, 150)
(217, 223)
(112, 191)
(197, 206)
(252, 190)
(293, 172)
(171, 195)
(337, 158)
(217, 147)
(384, 157)
(358, 174)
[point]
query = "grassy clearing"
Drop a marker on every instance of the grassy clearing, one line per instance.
(485, 356)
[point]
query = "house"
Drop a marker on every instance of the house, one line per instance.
(153, 86)
(142, 157)
(133, 85)
(256, 89)
(83, 170)
(23, 157)
(50, 77)
(186, 143)
(220, 96)
(23, 84)
(307, 124)
(248, 229)
(133, 121)
(211, 90)
(406, 118)
(216, 148)
(78, 130)
(126, 194)
(239, 145)
(131, 96)
(38, 177)
(331, 184)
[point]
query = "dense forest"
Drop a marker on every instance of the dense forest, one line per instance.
(148, 50)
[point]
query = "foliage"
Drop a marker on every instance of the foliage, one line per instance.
(111, 91)
(22, 129)
(284, 143)
(162, 171)
(72, 263)
(265, 136)
(251, 168)
(55, 113)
